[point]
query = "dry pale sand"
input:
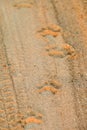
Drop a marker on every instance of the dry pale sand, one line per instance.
(43, 64)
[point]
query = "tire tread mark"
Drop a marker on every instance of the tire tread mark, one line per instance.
(7, 88)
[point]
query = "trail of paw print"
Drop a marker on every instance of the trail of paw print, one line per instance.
(23, 5)
(52, 86)
(50, 30)
(33, 118)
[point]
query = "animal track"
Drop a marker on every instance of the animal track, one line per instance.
(55, 83)
(22, 5)
(52, 51)
(48, 88)
(51, 85)
(53, 30)
(56, 53)
(69, 50)
(66, 50)
(51, 46)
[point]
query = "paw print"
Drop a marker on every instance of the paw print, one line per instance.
(69, 51)
(23, 5)
(52, 86)
(50, 30)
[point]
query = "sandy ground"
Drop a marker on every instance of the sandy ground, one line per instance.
(43, 65)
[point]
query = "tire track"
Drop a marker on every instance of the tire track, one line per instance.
(17, 63)
(7, 90)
